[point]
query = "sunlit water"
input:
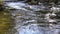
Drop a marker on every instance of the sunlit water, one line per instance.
(34, 19)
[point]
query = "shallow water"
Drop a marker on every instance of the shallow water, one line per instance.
(34, 19)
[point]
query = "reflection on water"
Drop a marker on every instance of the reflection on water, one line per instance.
(6, 22)
(27, 17)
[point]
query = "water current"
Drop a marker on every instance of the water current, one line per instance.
(35, 19)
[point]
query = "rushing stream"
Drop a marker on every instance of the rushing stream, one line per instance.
(34, 19)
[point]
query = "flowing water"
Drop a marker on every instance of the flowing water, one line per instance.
(34, 19)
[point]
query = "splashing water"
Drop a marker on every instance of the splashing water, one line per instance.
(27, 16)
